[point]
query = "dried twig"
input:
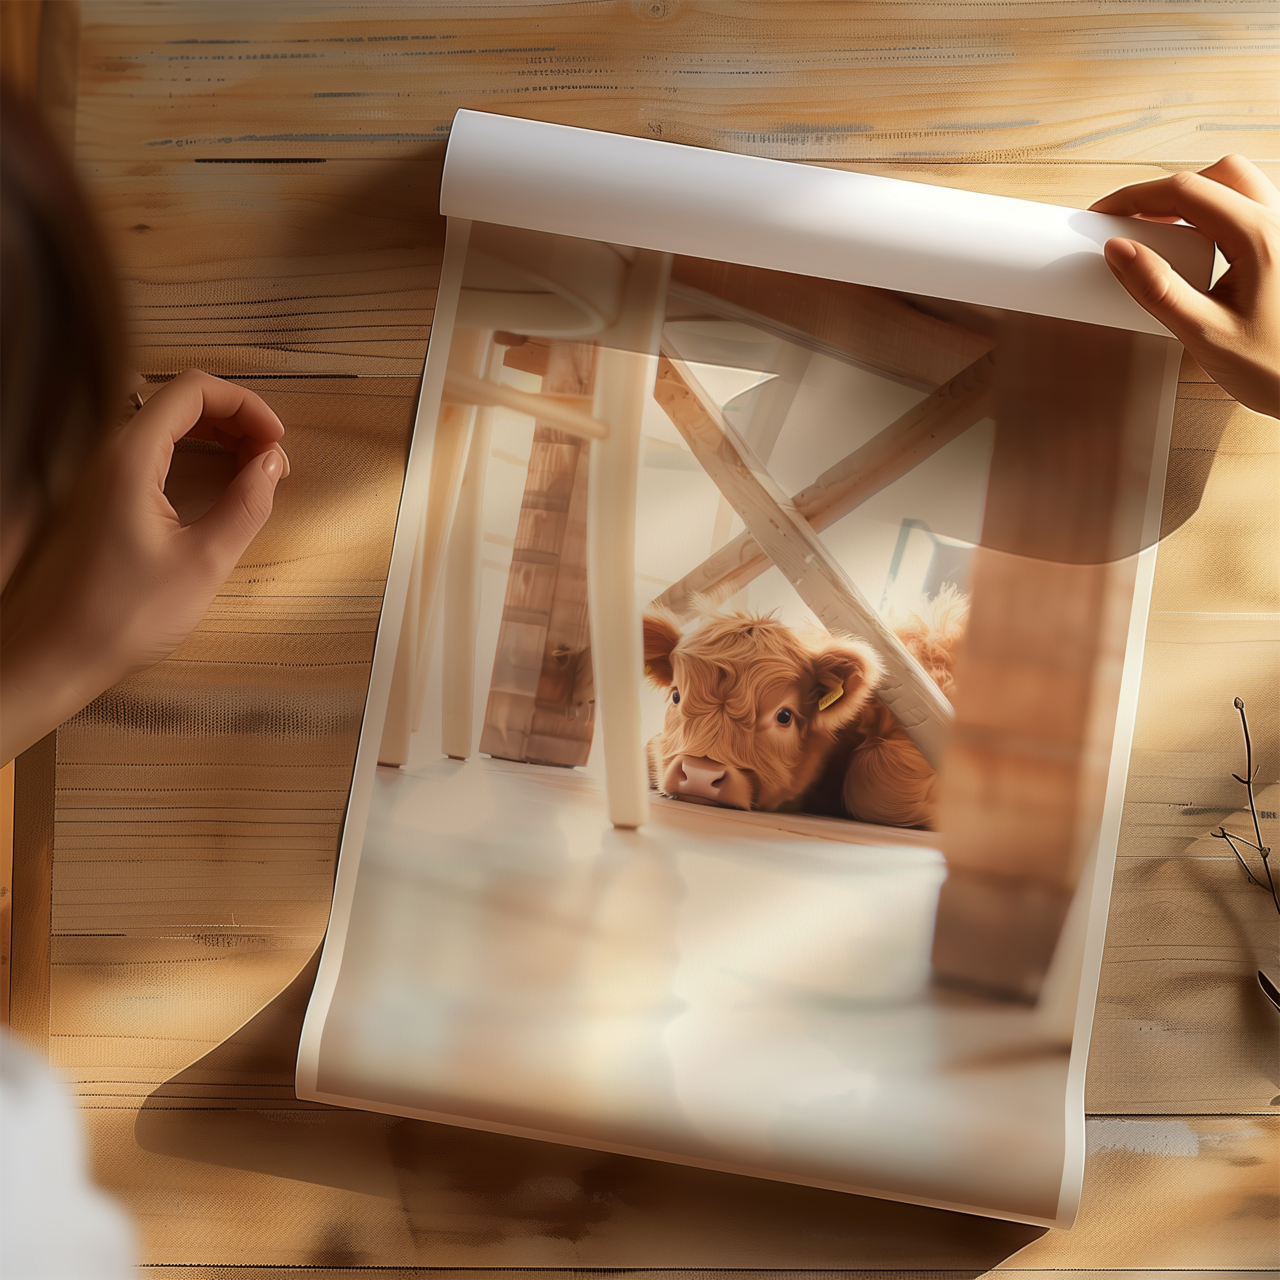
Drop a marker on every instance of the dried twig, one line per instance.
(1263, 851)
(1234, 839)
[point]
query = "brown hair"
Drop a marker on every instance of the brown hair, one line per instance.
(60, 331)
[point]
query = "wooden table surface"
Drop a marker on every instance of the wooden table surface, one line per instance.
(268, 173)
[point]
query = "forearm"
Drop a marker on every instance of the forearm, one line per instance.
(43, 685)
(117, 582)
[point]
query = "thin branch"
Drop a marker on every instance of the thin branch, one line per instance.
(1263, 851)
(1271, 884)
(1250, 773)
(1244, 840)
(1221, 834)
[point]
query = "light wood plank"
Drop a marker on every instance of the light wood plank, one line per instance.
(1173, 1192)
(1073, 81)
(1181, 1024)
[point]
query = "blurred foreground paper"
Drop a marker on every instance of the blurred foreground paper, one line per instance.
(659, 374)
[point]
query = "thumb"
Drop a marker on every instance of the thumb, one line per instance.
(1156, 287)
(232, 522)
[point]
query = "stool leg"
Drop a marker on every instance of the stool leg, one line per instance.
(448, 454)
(462, 583)
(468, 352)
(624, 383)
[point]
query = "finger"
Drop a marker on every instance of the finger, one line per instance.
(1245, 177)
(1222, 214)
(244, 452)
(243, 448)
(196, 398)
(198, 404)
(1159, 289)
(222, 533)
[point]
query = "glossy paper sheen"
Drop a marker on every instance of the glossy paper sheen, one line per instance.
(994, 250)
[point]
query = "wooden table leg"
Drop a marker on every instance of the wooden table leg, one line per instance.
(624, 382)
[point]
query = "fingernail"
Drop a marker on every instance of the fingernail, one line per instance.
(287, 467)
(1120, 253)
(273, 465)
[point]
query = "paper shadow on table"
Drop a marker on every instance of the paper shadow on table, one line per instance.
(470, 1197)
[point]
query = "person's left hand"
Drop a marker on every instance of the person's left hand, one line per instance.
(117, 582)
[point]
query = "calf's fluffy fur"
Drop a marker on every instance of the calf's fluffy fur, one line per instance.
(764, 717)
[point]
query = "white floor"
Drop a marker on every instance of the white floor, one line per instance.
(711, 989)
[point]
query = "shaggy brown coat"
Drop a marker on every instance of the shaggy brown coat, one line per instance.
(760, 716)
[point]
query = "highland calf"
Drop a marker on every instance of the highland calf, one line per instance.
(760, 716)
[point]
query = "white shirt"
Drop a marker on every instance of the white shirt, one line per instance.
(54, 1223)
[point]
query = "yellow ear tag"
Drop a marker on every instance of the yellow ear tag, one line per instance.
(648, 670)
(831, 695)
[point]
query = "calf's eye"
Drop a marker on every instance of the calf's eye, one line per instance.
(783, 716)
(675, 695)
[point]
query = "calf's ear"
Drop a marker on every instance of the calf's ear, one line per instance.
(845, 674)
(661, 635)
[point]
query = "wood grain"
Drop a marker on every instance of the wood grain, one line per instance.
(958, 83)
(272, 207)
(540, 705)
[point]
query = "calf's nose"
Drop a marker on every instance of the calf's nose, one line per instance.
(700, 776)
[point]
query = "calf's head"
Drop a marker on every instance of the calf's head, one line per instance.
(753, 707)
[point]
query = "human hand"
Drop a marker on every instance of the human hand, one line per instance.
(117, 583)
(1233, 331)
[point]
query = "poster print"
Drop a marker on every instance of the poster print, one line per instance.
(740, 778)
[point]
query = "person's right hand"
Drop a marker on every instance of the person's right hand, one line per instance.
(117, 583)
(1233, 331)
